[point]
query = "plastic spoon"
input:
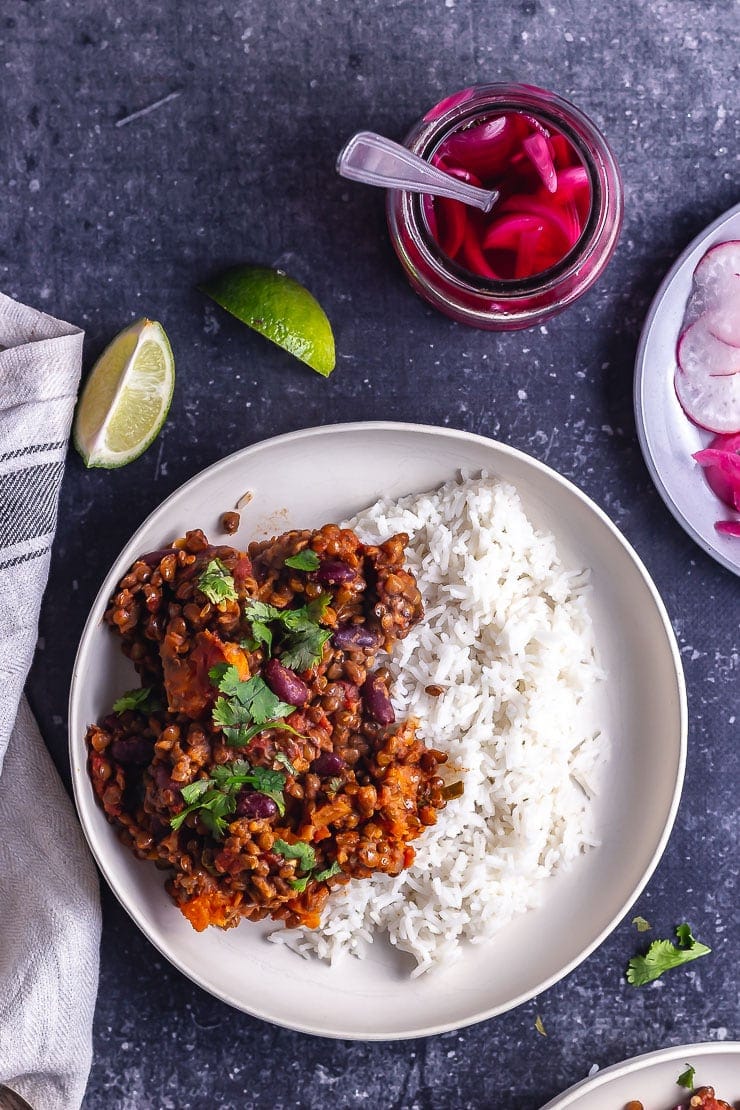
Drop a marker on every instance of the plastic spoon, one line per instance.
(375, 160)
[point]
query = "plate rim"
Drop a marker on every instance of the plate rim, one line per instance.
(639, 381)
(634, 1063)
(678, 674)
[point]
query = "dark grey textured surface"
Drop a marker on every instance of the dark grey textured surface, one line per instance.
(101, 224)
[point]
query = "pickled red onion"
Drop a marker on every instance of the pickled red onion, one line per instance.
(545, 197)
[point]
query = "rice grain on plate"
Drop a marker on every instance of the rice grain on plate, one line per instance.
(508, 638)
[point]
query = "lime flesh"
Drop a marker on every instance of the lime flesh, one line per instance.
(126, 398)
(280, 309)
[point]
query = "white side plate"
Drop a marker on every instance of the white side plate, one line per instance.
(325, 474)
(667, 437)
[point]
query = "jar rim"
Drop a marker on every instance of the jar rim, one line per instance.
(426, 137)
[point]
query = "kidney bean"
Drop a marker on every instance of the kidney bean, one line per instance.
(353, 637)
(162, 777)
(333, 571)
(258, 807)
(285, 683)
(135, 749)
(328, 763)
(377, 701)
(154, 558)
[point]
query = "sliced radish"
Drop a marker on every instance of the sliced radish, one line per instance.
(711, 402)
(723, 321)
(718, 270)
(701, 353)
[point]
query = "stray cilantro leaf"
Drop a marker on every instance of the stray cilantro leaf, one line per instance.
(662, 955)
(301, 851)
(194, 790)
(216, 583)
(136, 699)
(540, 1026)
(333, 785)
(281, 757)
(304, 560)
(686, 1078)
(305, 648)
(299, 884)
(327, 873)
(642, 925)
(249, 643)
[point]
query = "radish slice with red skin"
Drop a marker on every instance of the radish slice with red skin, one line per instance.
(701, 353)
(728, 527)
(716, 272)
(711, 402)
(538, 153)
(724, 320)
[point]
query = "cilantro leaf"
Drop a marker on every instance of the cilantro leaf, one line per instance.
(641, 924)
(662, 955)
(305, 560)
(333, 785)
(301, 851)
(686, 1078)
(225, 677)
(257, 697)
(249, 643)
(136, 699)
(305, 648)
(215, 798)
(194, 790)
(212, 807)
(299, 884)
(281, 757)
(217, 583)
(318, 607)
(327, 873)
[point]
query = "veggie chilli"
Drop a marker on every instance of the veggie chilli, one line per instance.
(702, 1099)
(259, 762)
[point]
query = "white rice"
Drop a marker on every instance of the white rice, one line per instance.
(508, 636)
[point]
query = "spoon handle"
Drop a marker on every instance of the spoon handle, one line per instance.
(375, 160)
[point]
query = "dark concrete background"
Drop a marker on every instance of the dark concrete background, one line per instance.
(101, 224)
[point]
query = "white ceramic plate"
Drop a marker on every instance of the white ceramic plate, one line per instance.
(324, 474)
(652, 1079)
(667, 436)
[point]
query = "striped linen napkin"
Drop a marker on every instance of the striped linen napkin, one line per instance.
(49, 903)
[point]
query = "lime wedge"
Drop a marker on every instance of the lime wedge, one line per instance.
(279, 308)
(126, 398)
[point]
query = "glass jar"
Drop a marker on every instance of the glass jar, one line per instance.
(505, 305)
